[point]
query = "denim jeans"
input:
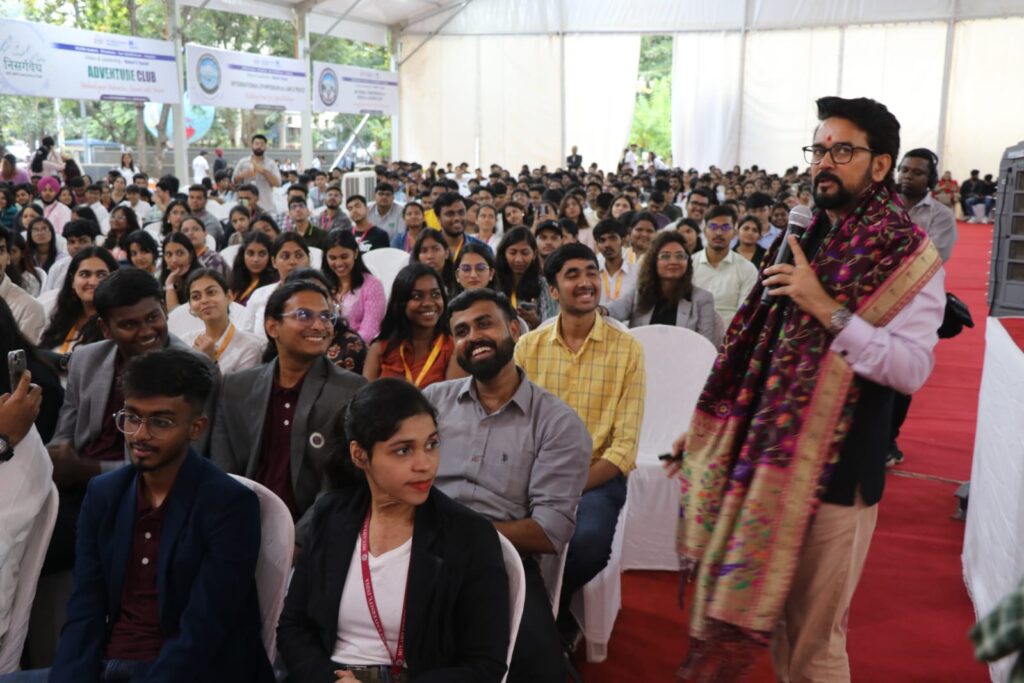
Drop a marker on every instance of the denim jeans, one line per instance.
(114, 671)
(591, 544)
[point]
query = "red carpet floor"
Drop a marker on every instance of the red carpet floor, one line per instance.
(911, 613)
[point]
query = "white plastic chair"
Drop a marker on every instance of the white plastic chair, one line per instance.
(596, 606)
(218, 210)
(385, 264)
(28, 578)
(273, 569)
(229, 253)
(677, 361)
(180, 321)
(516, 593)
(552, 570)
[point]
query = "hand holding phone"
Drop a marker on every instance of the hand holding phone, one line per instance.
(17, 364)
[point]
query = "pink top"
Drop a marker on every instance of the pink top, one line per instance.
(364, 308)
(899, 355)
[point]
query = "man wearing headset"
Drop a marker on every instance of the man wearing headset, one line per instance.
(918, 176)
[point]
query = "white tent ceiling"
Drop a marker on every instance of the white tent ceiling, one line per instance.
(370, 20)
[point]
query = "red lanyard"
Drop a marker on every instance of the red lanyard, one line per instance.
(398, 660)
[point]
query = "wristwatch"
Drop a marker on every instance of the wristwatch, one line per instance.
(839, 320)
(6, 448)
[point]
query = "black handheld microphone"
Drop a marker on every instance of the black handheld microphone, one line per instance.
(799, 219)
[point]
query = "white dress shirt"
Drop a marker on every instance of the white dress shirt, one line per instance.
(729, 282)
(24, 484)
(243, 351)
(28, 312)
(617, 290)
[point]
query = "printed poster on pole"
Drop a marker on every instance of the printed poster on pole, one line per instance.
(354, 90)
(244, 80)
(41, 60)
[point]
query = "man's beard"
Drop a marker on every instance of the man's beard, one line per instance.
(487, 369)
(840, 199)
(259, 152)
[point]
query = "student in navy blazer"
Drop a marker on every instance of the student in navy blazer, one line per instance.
(196, 618)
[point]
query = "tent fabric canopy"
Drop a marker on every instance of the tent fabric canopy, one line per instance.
(508, 80)
(370, 20)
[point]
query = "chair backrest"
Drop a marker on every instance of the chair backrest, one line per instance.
(678, 361)
(180, 321)
(28, 577)
(516, 593)
(385, 264)
(277, 547)
(552, 570)
(229, 253)
(218, 210)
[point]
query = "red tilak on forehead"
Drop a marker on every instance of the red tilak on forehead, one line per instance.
(828, 139)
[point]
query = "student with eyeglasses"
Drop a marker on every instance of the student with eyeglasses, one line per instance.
(474, 268)
(130, 312)
(278, 423)
(665, 294)
(720, 270)
(165, 576)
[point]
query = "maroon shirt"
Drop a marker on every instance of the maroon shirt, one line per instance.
(136, 634)
(275, 470)
(109, 443)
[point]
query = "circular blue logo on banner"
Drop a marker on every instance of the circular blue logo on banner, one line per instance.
(327, 86)
(208, 73)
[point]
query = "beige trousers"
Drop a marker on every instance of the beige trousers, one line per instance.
(809, 644)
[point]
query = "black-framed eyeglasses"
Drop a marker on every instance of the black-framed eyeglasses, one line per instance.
(130, 423)
(304, 316)
(841, 152)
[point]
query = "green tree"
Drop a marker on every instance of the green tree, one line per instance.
(652, 117)
(31, 118)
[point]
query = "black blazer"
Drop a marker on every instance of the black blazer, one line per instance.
(209, 612)
(457, 609)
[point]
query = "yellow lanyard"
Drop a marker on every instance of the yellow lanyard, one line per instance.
(248, 291)
(66, 346)
(606, 281)
(227, 340)
(515, 301)
(431, 359)
(455, 254)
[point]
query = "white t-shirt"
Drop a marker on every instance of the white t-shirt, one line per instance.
(358, 642)
(200, 169)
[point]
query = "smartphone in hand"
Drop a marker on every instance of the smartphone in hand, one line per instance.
(17, 364)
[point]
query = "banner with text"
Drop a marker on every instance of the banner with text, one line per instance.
(244, 80)
(354, 90)
(41, 60)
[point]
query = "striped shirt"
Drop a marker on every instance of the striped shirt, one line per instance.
(603, 382)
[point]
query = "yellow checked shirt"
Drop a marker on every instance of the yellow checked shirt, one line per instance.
(603, 382)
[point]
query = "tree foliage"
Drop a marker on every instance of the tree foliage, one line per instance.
(652, 117)
(28, 119)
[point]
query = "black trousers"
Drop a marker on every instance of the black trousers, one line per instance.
(900, 408)
(537, 657)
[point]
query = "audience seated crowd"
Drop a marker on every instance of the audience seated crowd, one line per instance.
(405, 421)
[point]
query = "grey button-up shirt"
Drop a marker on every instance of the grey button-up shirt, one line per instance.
(528, 459)
(938, 221)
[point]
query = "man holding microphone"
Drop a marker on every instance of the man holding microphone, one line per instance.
(784, 461)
